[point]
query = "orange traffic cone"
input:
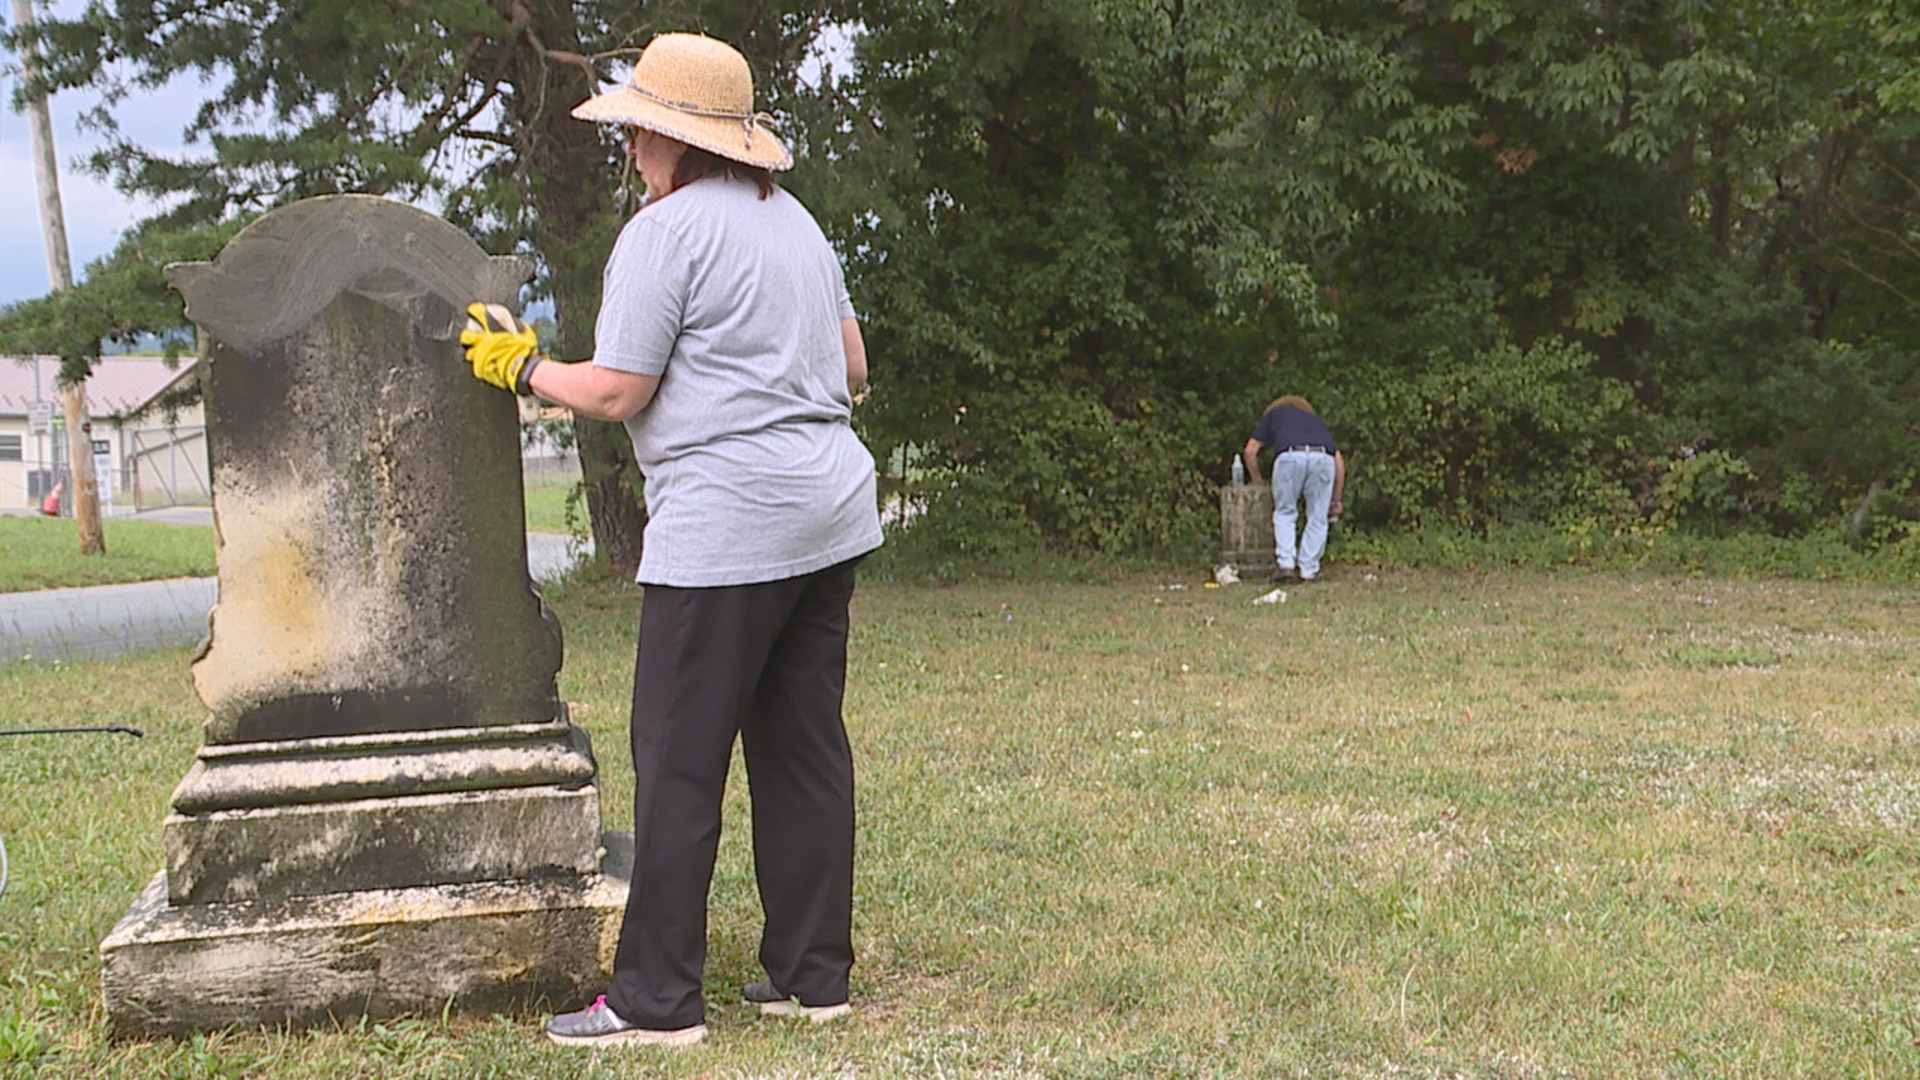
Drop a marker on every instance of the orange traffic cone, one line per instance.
(50, 506)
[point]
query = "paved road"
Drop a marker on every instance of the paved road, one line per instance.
(107, 620)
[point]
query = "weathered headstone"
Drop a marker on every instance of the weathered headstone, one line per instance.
(1246, 528)
(391, 811)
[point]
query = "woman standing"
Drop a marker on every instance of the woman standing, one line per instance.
(728, 346)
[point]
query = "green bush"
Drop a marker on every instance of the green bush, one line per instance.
(1506, 434)
(1069, 475)
(1825, 554)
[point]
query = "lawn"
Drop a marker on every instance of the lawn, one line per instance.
(44, 553)
(1506, 825)
(550, 500)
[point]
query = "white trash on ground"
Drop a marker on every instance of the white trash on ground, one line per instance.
(1277, 596)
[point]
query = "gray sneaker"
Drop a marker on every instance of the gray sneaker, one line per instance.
(598, 1025)
(773, 1003)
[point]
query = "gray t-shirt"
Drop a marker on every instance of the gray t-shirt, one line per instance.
(753, 470)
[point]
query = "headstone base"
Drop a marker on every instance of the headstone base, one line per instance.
(373, 844)
(1246, 528)
(497, 946)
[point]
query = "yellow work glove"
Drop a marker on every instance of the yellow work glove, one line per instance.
(502, 349)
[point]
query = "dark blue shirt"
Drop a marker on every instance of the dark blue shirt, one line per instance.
(1285, 426)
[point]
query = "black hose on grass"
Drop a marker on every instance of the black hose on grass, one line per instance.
(111, 729)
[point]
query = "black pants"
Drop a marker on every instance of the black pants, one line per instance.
(769, 662)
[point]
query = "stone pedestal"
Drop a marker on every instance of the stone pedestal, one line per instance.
(490, 946)
(391, 812)
(1246, 528)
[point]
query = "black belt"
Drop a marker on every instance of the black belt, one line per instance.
(1309, 449)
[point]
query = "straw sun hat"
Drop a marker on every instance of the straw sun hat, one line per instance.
(696, 90)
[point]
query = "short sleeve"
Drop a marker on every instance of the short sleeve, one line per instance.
(1263, 431)
(840, 283)
(643, 299)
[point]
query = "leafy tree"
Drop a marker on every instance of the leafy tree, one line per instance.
(1602, 262)
(1642, 180)
(1071, 258)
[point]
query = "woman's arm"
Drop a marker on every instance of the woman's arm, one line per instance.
(600, 393)
(856, 354)
(1250, 454)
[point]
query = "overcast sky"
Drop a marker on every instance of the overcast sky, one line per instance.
(95, 212)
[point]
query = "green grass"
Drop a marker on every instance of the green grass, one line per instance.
(44, 553)
(547, 505)
(1498, 825)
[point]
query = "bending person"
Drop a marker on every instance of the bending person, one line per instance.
(1308, 469)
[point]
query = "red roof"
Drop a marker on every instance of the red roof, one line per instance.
(119, 384)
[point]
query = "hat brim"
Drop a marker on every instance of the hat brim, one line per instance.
(749, 142)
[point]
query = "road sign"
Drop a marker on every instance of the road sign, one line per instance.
(39, 417)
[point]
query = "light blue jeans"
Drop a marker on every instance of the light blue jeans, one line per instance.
(1297, 475)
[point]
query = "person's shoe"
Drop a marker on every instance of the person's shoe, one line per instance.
(1283, 573)
(598, 1025)
(773, 1003)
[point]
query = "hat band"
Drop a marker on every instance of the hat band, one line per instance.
(748, 120)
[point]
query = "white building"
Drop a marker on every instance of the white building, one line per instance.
(142, 456)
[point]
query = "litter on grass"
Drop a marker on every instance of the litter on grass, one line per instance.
(1225, 574)
(1277, 596)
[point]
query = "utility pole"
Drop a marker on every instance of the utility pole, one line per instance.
(53, 222)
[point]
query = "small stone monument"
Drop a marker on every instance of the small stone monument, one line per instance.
(391, 812)
(1246, 529)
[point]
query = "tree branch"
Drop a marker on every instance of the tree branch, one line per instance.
(523, 20)
(1852, 264)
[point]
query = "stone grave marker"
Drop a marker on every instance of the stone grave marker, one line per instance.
(391, 811)
(1246, 529)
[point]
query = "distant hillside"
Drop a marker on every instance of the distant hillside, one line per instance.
(149, 344)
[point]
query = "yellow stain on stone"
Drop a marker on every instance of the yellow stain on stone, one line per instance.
(609, 941)
(506, 967)
(286, 621)
(381, 911)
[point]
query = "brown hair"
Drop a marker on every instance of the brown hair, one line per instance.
(696, 163)
(1290, 400)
